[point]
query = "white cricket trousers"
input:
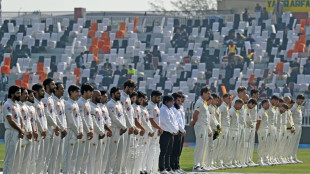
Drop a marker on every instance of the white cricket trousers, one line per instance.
(95, 155)
(283, 140)
(52, 165)
(106, 140)
(295, 141)
(249, 137)
(241, 147)
(70, 153)
(223, 145)
(146, 142)
(271, 143)
(116, 151)
(83, 154)
(262, 146)
(153, 154)
(139, 154)
(26, 153)
(251, 144)
(128, 156)
(231, 154)
(11, 145)
(48, 146)
(33, 160)
(208, 156)
(201, 133)
(41, 155)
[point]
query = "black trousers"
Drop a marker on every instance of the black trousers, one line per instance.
(166, 146)
(176, 151)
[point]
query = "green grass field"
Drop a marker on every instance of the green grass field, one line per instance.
(188, 156)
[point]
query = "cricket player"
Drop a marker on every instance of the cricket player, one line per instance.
(129, 145)
(14, 128)
(75, 130)
(262, 132)
(290, 130)
(154, 149)
(62, 122)
(297, 118)
(88, 128)
(203, 131)
(116, 114)
(281, 114)
(41, 121)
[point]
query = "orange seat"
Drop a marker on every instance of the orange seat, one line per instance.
(251, 79)
(301, 48)
(279, 67)
(100, 43)
(104, 35)
(91, 33)
(122, 26)
(302, 30)
(302, 22)
(289, 53)
(106, 49)
(135, 24)
(96, 60)
(5, 69)
(94, 41)
(302, 38)
(92, 48)
(120, 34)
(43, 77)
(94, 26)
(7, 61)
(25, 85)
(40, 67)
(18, 82)
(223, 89)
(77, 72)
(26, 78)
(107, 41)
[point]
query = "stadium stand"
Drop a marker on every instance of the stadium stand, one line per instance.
(169, 53)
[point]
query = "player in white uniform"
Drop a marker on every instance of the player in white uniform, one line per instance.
(272, 131)
(75, 130)
(14, 128)
(88, 128)
(106, 139)
(26, 143)
(297, 118)
(203, 131)
(129, 143)
(51, 146)
(280, 115)
(116, 114)
(262, 132)
(154, 149)
(62, 123)
(32, 115)
(233, 113)
(225, 121)
(42, 125)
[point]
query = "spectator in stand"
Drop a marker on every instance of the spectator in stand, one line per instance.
(100, 87)
(240, 40)
(2, 50)
(213, 88)
(307, 67)
(295, 71)
(148, 60)
(176, 36)
(278, 11)
(196, 90)
(231, 50)
(246, 15)
(276, 89)
(131, 70)
(117, 71)
(264, 14)
(250, 39)
(286, 89)
(3, 82)
(102, 71)
(156, 53)
(79, 60)
(124, 71)
(249, 88)
(182, 41)
(249, 57)
(263, 91)
(258, 8)
(109, 72)
(107, 64)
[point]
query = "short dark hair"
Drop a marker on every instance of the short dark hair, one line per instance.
(130, 83)
(239, 101)
(300, 96)
(167, 98)
(264, 101)
(176, 95)
(210, 98)
(254, 91)
(114, 90)
(57, 84)
(285, 106)
(73, 88)
(274, 97)
(156, 93)
(86, 87)
(241, 89)
(281, 100)
(226, 95)
(292, 101)
(103, 92)
(30, 91)
(23, 89)
(12, 90)
(214, 95)
(37, 87)
(47, 82)
(181, 93)
(133, 94)
(141, 94)
(253, 101)
(204, 89)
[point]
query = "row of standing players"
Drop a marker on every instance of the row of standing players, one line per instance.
(89, 134)
(225, 130)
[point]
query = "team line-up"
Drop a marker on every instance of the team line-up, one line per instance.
(130, 133)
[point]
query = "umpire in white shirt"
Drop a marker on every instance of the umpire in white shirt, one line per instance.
(177, 139)
(170, 127)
